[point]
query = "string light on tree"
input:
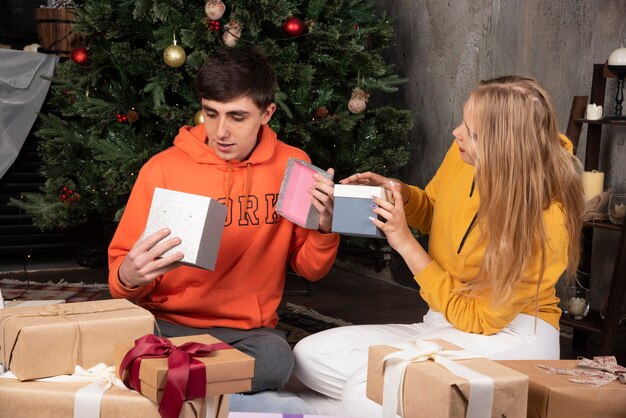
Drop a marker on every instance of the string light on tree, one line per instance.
(214, 9)
(122, 118)
(174, 56)
(293, 27)
(81, 56)
(358, 101)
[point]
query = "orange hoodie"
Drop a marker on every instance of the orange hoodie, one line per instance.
(246, 287)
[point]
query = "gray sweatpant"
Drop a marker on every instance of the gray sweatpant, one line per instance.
(274, 359)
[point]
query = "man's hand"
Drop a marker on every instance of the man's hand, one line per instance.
(322, 192)
(142, 263)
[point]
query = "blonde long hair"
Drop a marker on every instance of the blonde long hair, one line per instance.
(521, 169)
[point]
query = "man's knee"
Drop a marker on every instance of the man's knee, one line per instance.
(274, 361)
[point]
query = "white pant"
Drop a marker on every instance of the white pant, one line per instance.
(334, 362)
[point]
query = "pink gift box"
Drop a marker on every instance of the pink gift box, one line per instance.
(294, 201)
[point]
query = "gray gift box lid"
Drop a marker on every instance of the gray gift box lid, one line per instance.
(294, 201)
(197, 220)
(353, 208)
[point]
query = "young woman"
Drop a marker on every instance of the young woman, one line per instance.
(503, 214)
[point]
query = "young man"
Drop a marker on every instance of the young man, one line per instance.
(236, 158)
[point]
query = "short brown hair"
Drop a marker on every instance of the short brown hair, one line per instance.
(231, 73)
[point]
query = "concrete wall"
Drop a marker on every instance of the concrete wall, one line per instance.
(446, 47)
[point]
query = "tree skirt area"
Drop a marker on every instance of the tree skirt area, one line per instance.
(20, 290)
(299, 321)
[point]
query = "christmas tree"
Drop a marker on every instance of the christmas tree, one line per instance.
(123, 97)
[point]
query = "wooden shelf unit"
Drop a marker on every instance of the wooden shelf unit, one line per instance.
(594, 322)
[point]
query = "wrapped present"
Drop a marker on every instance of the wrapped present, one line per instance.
(168, 371)
(572, 388)
(50, 340)
(294, 201)
(353, 210)
(92, 393)
(197, 220)
(433, 379)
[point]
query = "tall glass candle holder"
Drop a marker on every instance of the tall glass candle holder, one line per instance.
(576, 302)
(617, 208)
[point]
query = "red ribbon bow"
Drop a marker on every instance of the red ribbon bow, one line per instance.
(186, 376)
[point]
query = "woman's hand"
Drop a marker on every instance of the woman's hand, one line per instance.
(322, 191)
(397, 231)
(395, 226)
(142, 264)
(373, 179)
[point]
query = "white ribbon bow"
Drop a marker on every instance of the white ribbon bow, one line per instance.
(480, 400)
(87, 400)
(100, 378)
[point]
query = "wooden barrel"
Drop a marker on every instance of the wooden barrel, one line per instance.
(54, 28)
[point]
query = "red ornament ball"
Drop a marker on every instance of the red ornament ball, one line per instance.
(214, 25)
(293, 27)
(121, 118)
(81, 56)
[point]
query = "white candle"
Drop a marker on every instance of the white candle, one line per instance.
(593, 112)
(619, 210)
(577, 307)
(593, 184)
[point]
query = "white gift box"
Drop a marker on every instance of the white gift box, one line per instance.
(197, 220)
(294, 201)
(353, 209)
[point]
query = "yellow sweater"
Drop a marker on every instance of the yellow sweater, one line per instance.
(445, 210)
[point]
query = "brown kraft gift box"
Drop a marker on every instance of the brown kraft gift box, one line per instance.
(56, 400)
(45, 341)
(227, 371)
(554, 396)
(431, 391)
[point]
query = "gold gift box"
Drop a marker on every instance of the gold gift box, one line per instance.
(45, 341)
(227, 371)
(431, 391)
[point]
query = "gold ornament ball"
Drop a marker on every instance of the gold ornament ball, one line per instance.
(198, 118)
(174, 56)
